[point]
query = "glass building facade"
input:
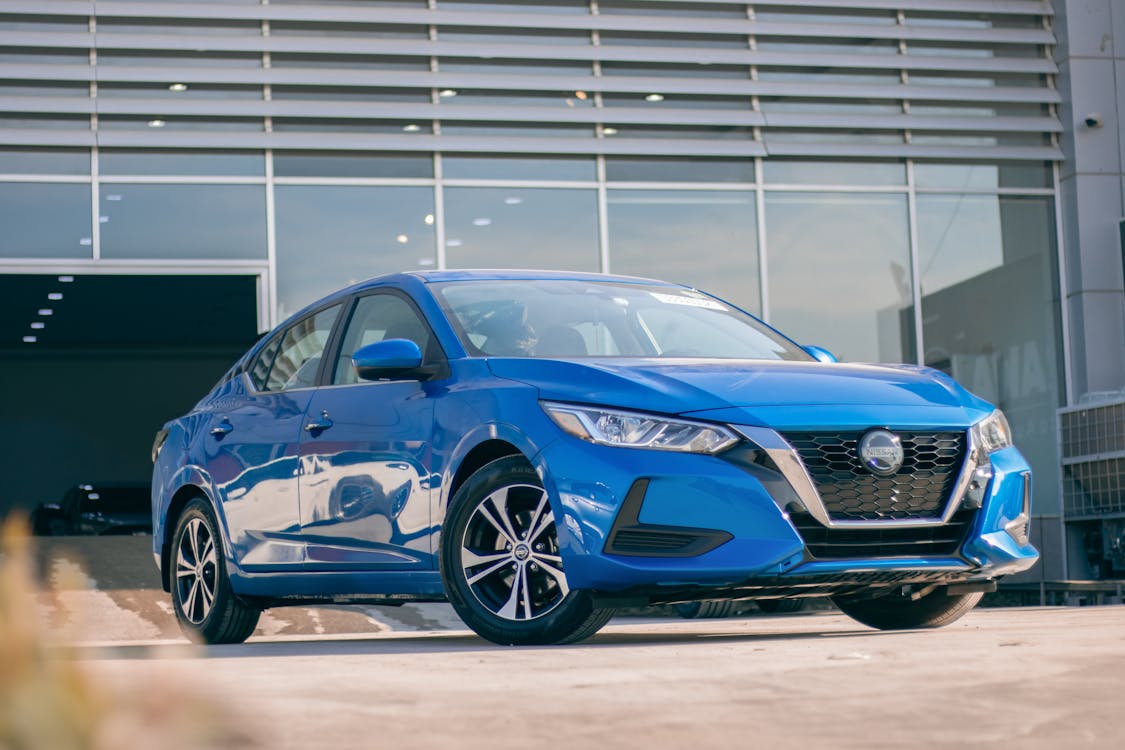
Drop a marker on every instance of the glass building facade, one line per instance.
(874, 176)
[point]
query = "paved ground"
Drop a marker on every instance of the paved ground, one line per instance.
(413, 677)
(1013, 678)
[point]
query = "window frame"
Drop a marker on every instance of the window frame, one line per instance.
(278, 335)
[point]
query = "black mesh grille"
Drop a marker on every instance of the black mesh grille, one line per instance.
(873, 541)
(920, 489)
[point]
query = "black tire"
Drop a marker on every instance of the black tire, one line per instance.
(780, 606)
(198, 567)
(500, 562)
(705, 609)
(895, 612)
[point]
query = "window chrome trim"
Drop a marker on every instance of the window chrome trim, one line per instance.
(793, 469)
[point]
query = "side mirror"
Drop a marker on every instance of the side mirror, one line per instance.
(387, 359)
(820, 354)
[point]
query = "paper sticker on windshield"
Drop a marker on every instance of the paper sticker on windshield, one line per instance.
(678, 299)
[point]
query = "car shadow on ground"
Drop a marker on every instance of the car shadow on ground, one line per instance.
(440, 642)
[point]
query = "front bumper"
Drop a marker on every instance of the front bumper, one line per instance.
(747, 544)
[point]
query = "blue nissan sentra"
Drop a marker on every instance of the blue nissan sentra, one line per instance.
(539, 449)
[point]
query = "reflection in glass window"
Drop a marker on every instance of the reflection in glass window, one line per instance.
(514, 67)
(987, 266)
(678, 169)
(348, 62)
(43, 220)
(302, 348)
(329, 236)
(176, 26)
(702, 238)
(351, 164)
(645, 39)
(145, 59)
(366, 30)
(180, 122)
(495, 35)
(676, 70)
(573, 7)
(73, 161)
(521, 227)
(183, 221)
(177, 90)
(566, 99)
(350, 125)
(809, 172)
(350, 94)
(994, 175)
(506, 167)
(163, 162)
(508, 130)
(45, 122)
(44, 88)
(657, 101)
(839, 273)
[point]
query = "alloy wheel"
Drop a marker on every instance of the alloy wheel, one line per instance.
(196, 571)
(510, 554)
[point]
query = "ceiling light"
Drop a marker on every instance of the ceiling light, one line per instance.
(54, 296)
(429, 219)
(113, 197)
(453, 243)
(402, 239)
(38, 325)
(609, 131)
(447, 93)
(178, 87)
(411, 128)
(156, 123)
(654, 98)
(66, 279)
(513, 200)
(482, 222)
(45, 312)
(581, 95)
(425, 262)
(30, 339)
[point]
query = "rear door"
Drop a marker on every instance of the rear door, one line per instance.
(365, 488)
(253, 440)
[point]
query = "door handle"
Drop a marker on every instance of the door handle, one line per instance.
(319, 424)
(222, 428)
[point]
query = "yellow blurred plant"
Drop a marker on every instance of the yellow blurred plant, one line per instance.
(52, 700)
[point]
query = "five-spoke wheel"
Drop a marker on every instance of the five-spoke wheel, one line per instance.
(196, 571)
(502, 565)
(206, 608)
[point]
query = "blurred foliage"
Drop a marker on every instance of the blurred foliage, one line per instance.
(50, 699)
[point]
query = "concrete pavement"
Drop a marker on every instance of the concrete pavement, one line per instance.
(1012, 678)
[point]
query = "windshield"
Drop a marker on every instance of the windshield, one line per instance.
(566, 319)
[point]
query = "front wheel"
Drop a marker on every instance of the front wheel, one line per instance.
(501, 565)
(900, 612)
(206, 608)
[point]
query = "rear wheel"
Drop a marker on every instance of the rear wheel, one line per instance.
(206, 608)
(501, 566)
(781, 606)
(705, 609)
(902, 612)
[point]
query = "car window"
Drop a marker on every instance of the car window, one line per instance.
(260, 369)
(378, 317)
(562, 318)
(302, 346)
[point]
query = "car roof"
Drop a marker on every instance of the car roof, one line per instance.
(508, 274)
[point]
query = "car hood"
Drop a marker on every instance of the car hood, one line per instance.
(751, 391)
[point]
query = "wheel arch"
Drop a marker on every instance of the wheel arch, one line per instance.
(480, 455)
(180, 498)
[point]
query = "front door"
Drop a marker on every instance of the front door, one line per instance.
(365, 455)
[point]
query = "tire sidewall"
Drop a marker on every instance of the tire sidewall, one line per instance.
(553, 627)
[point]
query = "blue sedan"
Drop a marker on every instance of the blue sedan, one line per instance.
(539, 449)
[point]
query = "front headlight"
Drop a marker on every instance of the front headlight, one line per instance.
(992, 433)
(636, 430)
